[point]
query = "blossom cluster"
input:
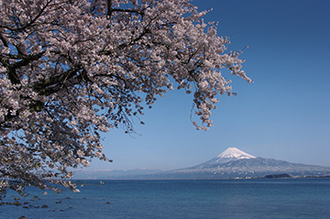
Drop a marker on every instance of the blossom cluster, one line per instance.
(70, 70)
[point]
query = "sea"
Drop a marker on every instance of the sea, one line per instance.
(248, 198)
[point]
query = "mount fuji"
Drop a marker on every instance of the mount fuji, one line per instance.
(234, 163)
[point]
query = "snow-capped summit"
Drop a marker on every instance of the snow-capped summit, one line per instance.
(234, 153)
(231, 154)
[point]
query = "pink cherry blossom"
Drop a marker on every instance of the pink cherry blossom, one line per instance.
(70, 70)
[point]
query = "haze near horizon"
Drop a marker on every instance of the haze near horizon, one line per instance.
(283, 115)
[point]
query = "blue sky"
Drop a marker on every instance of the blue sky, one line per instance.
(284, 114)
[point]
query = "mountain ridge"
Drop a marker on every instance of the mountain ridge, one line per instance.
(232, 163)
(244, 165)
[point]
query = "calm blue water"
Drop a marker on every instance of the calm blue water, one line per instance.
(262, 198)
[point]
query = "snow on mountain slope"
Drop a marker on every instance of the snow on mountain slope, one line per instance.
(231, 154)
(234, 153)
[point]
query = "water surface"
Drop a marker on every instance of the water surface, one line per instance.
(257, 198)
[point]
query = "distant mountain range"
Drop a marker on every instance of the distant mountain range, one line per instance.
(232, 163)
(115, 174)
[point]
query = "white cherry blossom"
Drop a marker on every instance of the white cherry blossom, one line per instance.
(70, 70)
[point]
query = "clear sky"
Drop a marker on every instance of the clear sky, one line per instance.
(284, 114)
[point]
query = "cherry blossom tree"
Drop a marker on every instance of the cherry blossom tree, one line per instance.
(71, 69)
